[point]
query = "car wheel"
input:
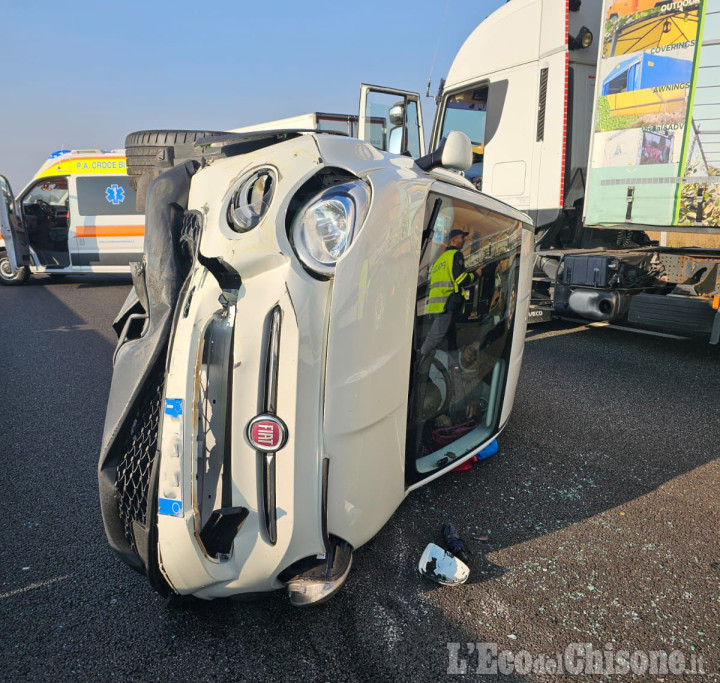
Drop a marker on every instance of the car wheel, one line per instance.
(151, 152)
(11, 277)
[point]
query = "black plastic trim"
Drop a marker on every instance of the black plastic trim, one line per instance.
(324, 510)
(226, 492)
(541, 104)
(96, 258)
(220, 530)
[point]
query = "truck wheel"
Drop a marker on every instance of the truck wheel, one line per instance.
(151, 152)
(10, 277)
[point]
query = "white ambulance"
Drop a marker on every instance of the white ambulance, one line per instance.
(77, 215)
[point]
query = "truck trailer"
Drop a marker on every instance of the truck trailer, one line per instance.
(604, 126)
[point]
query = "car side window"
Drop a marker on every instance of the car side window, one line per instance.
(466, 294)
(106, 195)
(392, 123)
(7, 197)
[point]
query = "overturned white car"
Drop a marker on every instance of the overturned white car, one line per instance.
(270, 405)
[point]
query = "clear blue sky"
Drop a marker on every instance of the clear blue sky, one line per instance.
(83, 74)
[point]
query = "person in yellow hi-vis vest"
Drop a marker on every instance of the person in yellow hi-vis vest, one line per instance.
(447, 279)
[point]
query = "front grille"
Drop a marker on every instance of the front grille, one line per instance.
(192, 223)
(133, 472)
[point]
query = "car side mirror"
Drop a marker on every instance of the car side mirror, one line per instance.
(457, 152)
(442, 566)
(454, 152)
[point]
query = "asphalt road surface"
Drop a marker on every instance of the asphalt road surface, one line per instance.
(601, 512)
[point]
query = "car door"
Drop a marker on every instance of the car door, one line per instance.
(391, 120)
(44, 206)
(458, 384)
(13, 228)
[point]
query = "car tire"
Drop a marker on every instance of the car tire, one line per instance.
(151, 152)
(10, 277)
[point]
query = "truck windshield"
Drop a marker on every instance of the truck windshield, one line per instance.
(466, 111)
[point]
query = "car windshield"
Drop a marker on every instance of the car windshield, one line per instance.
(54, 192)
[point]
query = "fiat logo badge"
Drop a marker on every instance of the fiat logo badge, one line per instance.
(267, 433)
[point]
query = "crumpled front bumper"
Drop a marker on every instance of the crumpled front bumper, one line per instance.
(195, 478)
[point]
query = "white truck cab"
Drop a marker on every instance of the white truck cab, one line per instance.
(77, 215)
(507, 89)
(599, 118)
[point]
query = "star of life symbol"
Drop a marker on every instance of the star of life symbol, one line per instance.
(115, 194)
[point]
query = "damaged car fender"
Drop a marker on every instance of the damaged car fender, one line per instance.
(369, 351)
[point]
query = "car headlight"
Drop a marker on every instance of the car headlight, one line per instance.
(250, 202)
(324, 227)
